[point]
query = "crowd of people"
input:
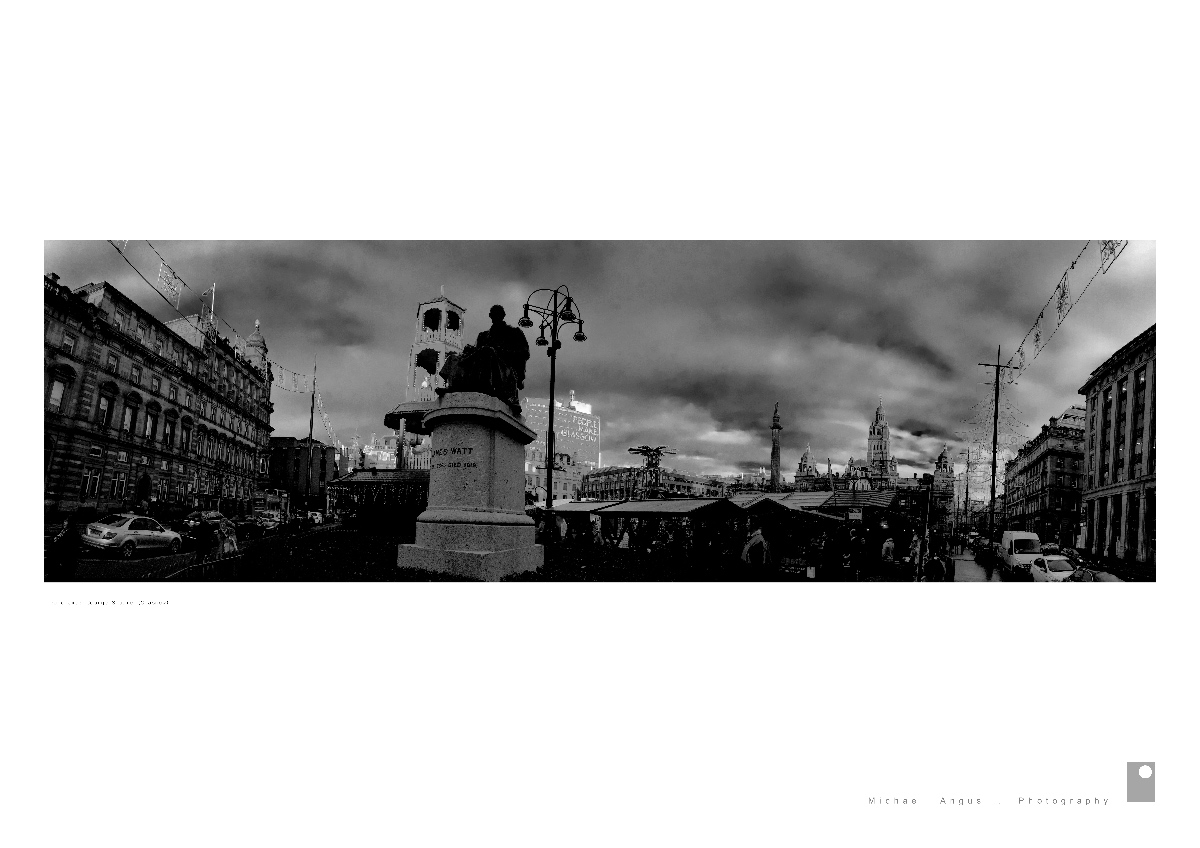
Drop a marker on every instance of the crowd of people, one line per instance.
(667, 538)
(828, 550)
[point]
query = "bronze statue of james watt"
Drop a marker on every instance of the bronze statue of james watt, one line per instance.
(494, 365)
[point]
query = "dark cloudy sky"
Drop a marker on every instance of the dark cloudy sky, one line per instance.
(689, 344)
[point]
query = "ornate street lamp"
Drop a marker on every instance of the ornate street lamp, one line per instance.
(560, 309)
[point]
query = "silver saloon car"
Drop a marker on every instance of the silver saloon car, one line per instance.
(129, 533)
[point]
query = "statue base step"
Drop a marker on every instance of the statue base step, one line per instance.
(475, 565)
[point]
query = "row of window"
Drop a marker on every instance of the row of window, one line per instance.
(213, 447)
(231, 380)
(1120, 468)
(168, 346)
(208, 410)
(120, 482)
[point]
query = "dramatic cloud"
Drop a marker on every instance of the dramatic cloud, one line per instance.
(689, 344)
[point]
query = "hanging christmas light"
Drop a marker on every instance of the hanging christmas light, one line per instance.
(1109, 251)
(1064, 296)
(168, 283)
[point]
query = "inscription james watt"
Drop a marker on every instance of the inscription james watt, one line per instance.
(443, 460)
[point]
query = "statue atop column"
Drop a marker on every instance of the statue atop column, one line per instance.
(494, 365)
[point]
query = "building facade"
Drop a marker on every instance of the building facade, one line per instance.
(140, 412)
(577, 430)
(1043, 484)
(881, 466)
(567, 482)
(623, 482)
(577, 445)
(1119, 508)
(303, 473)
(381, 452)
(808, 476)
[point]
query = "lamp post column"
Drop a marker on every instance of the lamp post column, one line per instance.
(550, 432)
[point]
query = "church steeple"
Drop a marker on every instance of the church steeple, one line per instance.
(879, 449)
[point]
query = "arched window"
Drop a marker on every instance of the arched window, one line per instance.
(104, 406)
(452, 321)
(61, 376)
(133, 402)
(428, 359)
(432, 319)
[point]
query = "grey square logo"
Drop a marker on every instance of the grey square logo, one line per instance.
(1139, 781)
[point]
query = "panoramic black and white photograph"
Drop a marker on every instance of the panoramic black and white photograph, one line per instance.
(836, 411)
(543, 425)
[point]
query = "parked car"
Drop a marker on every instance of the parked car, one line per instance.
(316, 517)
(1051, 548)
(193, 519)
(1051, 568)
(129, 533)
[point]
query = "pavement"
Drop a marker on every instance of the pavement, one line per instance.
(966, 570)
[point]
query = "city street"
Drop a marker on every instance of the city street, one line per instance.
(966, 570)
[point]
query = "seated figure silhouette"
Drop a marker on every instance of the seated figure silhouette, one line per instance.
(494, 365)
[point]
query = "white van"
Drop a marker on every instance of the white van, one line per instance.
(1018, 550)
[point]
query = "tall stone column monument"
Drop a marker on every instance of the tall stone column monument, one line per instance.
(776, 480)
(475, 524)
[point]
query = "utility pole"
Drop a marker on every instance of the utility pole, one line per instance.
(995, 432)
(924, 558)
(967, 505)
(967, 494)
(312, 405)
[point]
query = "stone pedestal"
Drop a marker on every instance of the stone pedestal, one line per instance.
(475, 525)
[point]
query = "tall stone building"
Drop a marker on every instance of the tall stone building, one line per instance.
(303, 469)
(578, 429)
(1119, 496)
(441, 329)
(138, 411)
(881, 467)
(943, 474)
(1044, 482)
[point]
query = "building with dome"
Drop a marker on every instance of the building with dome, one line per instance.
(808, 476)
